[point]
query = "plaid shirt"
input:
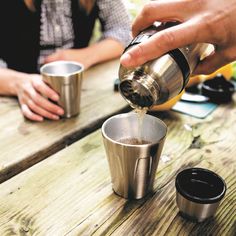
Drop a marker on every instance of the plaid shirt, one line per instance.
(56, 31)
(116, 20)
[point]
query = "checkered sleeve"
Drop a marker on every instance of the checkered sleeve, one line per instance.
(115, 20)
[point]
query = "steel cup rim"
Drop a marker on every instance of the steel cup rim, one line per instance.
(132, 145)
(42, 68)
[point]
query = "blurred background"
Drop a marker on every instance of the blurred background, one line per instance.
(134, 6)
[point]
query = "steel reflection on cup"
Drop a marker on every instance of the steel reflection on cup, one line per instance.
(65, 77)
(133, 165)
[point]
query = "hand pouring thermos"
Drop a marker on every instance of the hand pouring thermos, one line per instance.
(161, 79)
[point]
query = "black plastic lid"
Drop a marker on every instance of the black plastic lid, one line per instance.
(200, 185)
(218, 89)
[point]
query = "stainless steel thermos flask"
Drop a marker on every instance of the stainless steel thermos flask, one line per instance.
(161, 79)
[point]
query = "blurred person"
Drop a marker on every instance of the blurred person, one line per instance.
(34, 32)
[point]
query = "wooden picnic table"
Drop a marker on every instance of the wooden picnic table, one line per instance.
(70, 192)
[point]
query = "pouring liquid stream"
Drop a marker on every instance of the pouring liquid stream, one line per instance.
(140, 113)
(139, 140)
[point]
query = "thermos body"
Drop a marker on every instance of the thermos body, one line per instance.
(161, 79)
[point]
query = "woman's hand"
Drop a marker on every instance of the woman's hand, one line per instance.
(202, 21)
(31, 92)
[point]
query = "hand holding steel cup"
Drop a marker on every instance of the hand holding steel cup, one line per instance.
(133, 163)
(65, 77)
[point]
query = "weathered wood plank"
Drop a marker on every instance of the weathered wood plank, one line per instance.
(23, 143)
(70, 193)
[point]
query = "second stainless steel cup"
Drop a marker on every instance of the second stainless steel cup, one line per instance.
(133, 166)
(65, 77)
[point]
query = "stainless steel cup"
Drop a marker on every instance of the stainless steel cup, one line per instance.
(65, 77)
(133, 166)
(198, 193)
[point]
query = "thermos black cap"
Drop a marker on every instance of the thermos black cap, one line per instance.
(218, 89)
(200, 185)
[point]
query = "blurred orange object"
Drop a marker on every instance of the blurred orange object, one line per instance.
(226, 71)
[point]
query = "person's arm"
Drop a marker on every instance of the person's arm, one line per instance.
(104, 50)
(115, 36)
(30, 90)
(201, 21)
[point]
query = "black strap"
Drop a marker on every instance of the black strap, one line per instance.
(182, 62)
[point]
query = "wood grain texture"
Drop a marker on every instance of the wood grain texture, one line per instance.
(23, 143)
(70, 192)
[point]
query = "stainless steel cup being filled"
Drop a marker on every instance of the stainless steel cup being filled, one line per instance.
(65, 77)
(133, 153)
